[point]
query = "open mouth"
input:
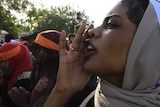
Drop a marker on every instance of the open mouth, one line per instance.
(90, 49)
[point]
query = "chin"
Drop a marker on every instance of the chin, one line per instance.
(89, 68)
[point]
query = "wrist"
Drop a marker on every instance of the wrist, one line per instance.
(58, 98)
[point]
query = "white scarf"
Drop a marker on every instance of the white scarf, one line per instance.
(142, 68)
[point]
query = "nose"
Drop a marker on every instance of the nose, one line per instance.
(94, 33)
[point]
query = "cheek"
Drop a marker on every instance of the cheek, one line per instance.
(113, 53)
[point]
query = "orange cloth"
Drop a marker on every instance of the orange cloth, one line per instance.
(9, 53)
(46, 42)
(50, 40)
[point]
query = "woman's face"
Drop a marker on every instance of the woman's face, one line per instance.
(111, 42)
(39, 55)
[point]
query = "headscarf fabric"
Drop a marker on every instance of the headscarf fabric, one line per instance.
(49, 39)
(18, 57)
(42, 39)
(142, 70)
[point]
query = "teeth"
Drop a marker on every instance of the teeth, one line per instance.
(87, 40)
(90, 47)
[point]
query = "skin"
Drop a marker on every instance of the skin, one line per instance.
(39, 55)
(42, 55)
(111, 40)
(19, 96)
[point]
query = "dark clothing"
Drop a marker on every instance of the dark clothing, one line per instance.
(78, 98)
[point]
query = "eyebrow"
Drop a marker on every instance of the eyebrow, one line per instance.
(113, 15)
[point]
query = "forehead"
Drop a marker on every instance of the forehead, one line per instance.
(119, 10)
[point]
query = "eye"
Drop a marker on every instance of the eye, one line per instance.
(110, 24)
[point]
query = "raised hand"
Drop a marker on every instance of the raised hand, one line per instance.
(71, 76)
(19, 96)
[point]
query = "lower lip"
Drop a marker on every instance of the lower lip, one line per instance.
(89, 54)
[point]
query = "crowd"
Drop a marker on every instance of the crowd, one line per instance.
(30, 65)
(113, 65)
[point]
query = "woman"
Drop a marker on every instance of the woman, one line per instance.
(123, 52)
(45, 50)
(16, 66)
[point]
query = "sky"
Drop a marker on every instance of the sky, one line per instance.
(95, 9)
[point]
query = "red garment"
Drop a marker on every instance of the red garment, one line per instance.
(20, 62)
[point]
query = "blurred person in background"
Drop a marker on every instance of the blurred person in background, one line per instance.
(16, 67)
(45, 50)
(8, 38)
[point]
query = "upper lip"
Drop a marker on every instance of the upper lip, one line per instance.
(89, 46)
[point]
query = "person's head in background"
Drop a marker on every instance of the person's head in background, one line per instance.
(46, 46)
(28, 40)
(8, 37)
(45, 51)
(14, 59)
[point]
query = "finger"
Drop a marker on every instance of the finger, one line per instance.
(78, 38)
(14, 88)
(62, 43)
(85, 36)
(22, 89)
(12, 91)
(10, 94)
